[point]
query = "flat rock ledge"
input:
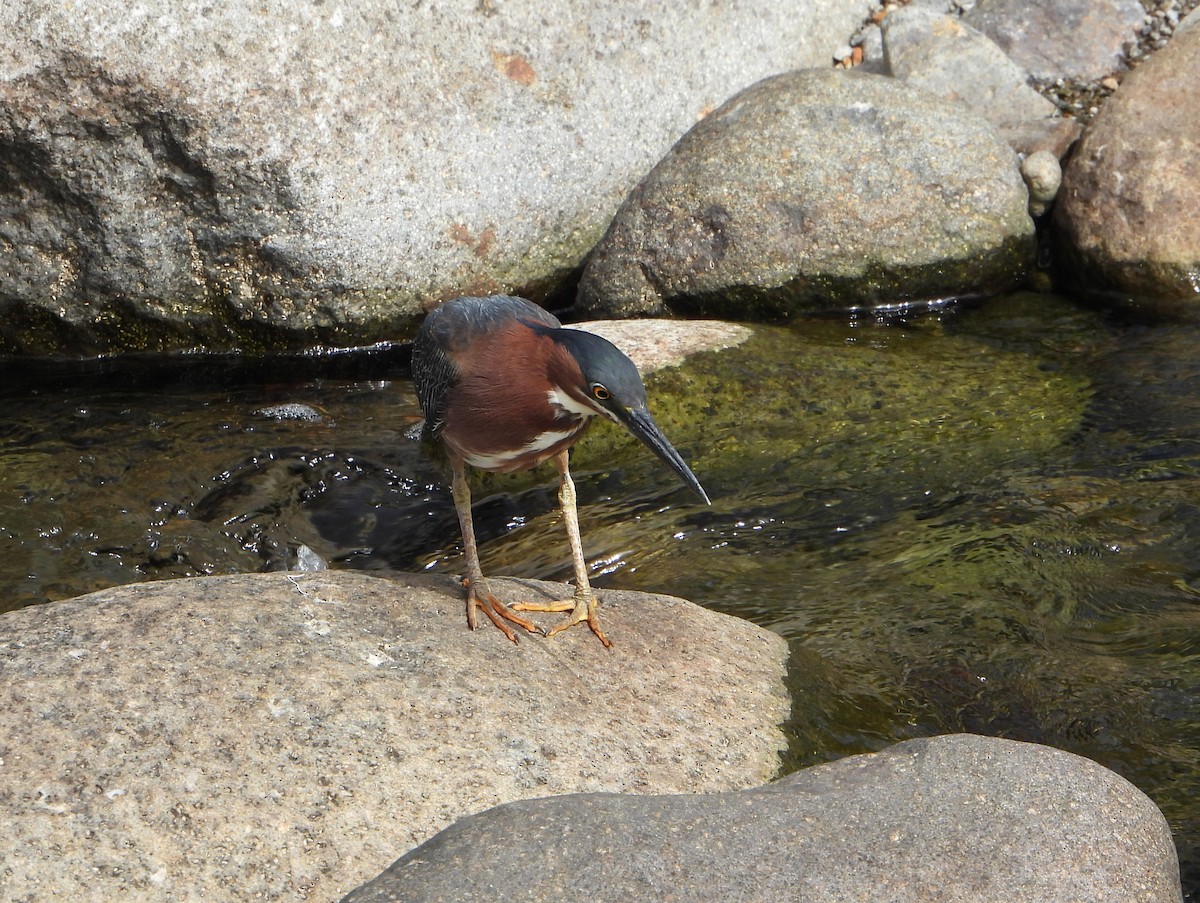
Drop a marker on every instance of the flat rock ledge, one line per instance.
(288, 735)
(953, 818)
(655, 343)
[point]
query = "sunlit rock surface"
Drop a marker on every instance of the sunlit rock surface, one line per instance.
(1062, 38)
(277, 736)
(255, 175)
(1127, 213)
(817, 189)
(958, 819)
(942, 54)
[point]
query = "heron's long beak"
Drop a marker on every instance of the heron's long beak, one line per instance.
(642, 425)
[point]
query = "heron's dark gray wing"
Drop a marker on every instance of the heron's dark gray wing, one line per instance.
(434, 374)
(460, 322)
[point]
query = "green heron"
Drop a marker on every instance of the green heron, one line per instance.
(505, 387)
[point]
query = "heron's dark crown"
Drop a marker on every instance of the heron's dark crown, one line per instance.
(600, 361)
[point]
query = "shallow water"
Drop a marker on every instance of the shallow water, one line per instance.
(983, 520)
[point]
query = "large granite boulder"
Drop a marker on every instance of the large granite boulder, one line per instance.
(272, 173)
(283, 736)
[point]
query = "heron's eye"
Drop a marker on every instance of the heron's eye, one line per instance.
(599, 392)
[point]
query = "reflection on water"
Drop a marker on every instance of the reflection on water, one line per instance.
(986, 520)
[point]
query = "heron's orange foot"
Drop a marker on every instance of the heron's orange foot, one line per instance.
(478, 595)
(583, 607)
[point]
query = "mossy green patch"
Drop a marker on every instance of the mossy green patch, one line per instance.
(814, 404)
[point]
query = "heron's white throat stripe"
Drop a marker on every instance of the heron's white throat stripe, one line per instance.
(563, 400)
(539, 443)
(576, 410)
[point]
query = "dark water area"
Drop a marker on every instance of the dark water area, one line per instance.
(984, 519)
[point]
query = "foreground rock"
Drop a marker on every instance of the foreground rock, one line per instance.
(955, 818)
(283, 174)
(817, 189)
(276, 736)
(1127, 212)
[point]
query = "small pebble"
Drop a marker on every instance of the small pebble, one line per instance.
(309, 561)
(1042, 173)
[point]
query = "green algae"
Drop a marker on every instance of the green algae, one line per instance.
(811, 404)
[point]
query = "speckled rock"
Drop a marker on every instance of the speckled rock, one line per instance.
(957, 819)
(241, 175)
(817, 189)
(1050, 39)
(285, 736)
(1128, 213)
(943, 55)
(1043, 174)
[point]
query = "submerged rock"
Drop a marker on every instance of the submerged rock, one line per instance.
(655, 344)
(958, 819)
(1127, 213)
(817, 189)
(285, 735)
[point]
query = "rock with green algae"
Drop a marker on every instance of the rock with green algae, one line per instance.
(800, 406)
(817, 189)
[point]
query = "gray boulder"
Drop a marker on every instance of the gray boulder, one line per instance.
(1126, 213)
(1050, 39)
(817, 189)
(929, 44)
(271, 174)
(282, 736)
(942, 54)
(954, 818)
